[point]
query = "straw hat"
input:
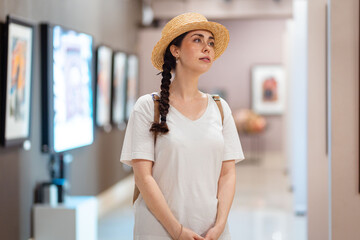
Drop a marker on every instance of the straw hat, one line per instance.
(184, 23)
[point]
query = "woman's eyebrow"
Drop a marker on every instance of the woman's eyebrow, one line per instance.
(200, 35)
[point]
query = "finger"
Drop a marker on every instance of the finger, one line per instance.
(197, 237)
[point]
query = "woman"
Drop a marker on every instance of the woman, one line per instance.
(187, 177)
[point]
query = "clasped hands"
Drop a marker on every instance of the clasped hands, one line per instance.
(213, 234)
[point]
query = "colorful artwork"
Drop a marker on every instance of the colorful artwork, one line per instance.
(103, 94)
(268, 89)
(72, 89)
(132, 84)
(119, 88)
(18, 82)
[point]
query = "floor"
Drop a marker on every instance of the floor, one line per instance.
(262, 207)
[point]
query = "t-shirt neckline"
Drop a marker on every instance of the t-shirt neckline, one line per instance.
(188, 119)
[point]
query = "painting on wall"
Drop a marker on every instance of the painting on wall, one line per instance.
(16, 87)
(119, 89)
(103, 86)
(268, 89)
(67, 88)
(132, 83)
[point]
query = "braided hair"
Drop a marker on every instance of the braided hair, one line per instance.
(169, 64)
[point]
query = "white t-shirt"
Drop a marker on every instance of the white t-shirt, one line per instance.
(187, 164)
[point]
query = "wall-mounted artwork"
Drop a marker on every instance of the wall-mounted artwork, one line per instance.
(132, 83)
(119, 88)
(17, 81)
(67, 88)
(103, 86)
(268, 89)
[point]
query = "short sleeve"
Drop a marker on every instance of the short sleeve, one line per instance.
(232, 149)
(139, 141)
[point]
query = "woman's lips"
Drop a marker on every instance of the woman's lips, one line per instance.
(205, 60)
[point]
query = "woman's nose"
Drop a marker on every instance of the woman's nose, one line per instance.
(206, 48)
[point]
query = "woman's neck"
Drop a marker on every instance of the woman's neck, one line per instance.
(185, 86)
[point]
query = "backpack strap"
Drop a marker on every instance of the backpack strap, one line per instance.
(156, 99)
(216, 97)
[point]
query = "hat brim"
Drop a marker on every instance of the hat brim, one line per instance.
(221, 35)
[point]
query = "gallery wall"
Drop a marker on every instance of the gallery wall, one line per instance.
(318, 162)
(345, 185)
(333, 178)
(94, 168)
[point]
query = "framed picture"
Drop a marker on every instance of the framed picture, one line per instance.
(268, 89)
(132, 83)
(119, 89)
(103, 86)
(67, 88)
(16, 81)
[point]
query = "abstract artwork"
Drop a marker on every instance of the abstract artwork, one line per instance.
(132, 83)
(15, 120)
(268, 89)
(119, 88)
(103, 86)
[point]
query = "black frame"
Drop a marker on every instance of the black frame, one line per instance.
(3, 87)
(47, 95)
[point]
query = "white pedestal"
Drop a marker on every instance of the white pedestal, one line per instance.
(75, 219)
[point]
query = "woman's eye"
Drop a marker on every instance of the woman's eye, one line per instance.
(197, 39)
(212, 44)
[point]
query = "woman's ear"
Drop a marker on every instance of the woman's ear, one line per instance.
(174, 51)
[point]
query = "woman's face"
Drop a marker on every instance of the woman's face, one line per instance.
(196, 52)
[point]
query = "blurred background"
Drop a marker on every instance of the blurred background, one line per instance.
(290, 76)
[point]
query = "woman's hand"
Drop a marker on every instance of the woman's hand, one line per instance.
(214, 233)
(188, 234)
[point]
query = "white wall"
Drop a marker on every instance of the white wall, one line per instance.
(296, 119)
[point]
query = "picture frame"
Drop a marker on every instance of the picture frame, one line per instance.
(119, 89)
(132, 83)
(268, 89)
(104, 55)
(16, 83)
(67, 88)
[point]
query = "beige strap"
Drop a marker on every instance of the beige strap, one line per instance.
(218, 103)
(156, 99)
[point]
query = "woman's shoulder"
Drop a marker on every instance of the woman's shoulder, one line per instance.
(145, 103)
(224, 105)
(223, 102)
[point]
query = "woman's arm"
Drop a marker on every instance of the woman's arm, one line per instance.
(156, 202)
(226, 192)
(153, 196)
(225, 195)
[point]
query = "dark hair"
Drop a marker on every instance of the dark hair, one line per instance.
(169, 64)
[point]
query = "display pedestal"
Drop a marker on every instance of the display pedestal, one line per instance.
(75, 219)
